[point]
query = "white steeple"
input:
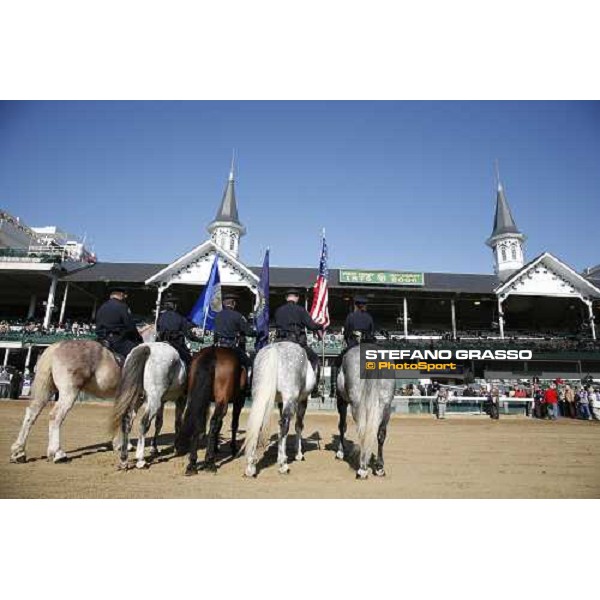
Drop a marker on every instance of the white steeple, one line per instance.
(506, 240)
(226, 229)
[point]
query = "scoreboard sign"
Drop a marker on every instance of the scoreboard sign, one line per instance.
(381, 277)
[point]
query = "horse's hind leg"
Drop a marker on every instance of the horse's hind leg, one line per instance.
(32, 412)
(145, 422)
(302, 404)
(65, 402)
(235, 422)
(379, 470)
(284, 427)
(179, 408)
(126, 423)
(157, 428)
(342, 407)
(212, 444)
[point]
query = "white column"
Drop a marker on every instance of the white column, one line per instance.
(453, 309)
(6, 353)
(592, 325)
(50, 301)
(405, 306)
(31, 309)
(158, 302)
(500, 318)
(64, 304)
(28, 357)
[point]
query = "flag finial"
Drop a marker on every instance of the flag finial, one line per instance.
(232, 170)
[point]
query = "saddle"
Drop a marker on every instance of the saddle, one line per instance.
(119, 358)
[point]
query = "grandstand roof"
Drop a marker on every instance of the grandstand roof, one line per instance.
(503, 220)
(121, 272)
(289, 276)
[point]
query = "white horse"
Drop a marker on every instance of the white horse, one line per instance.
(68, 368)
(282, 373)
(152, 375)
(371, 404)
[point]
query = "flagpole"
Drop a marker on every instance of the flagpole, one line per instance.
(323, 336)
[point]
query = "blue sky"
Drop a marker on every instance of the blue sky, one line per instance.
(398, 185)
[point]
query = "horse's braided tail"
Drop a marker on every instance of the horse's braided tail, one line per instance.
(370, 411)
(43, 382)
(264, 390)
(199, 398)
(132, 385)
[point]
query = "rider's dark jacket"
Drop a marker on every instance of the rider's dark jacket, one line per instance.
(230, 328)
(292, 320)
(360, 321)
(173, 328)
(116, 328)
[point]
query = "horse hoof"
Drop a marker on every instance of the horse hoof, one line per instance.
(141, 464)
(284, 469)
(379, 472)
(123, 466)
(362, 474)
(191, 470)
(210, 467)
(339, 455)
(18, 457)
(250, 471)
(154, 452)
(60, 457)
(299, 457)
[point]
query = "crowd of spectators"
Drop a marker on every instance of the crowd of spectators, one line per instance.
(561, 399)
(32, 327)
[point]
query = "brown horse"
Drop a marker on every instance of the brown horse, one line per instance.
(67, 367)
(215, 373)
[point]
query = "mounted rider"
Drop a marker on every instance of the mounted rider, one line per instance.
(174, 328)
(231, 329)
(292, 321)
(358, 328)
(115, 327)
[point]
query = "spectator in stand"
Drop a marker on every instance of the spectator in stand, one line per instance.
(570, 402)
(551, 401)
(584, 405)
(595, 404)
(562, 409)
(539, 410)
(442, 399)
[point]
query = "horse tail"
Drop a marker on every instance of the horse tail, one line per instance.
(264, 390)
(199, 398)
(43, 383)
(132, 385)
(370, 412)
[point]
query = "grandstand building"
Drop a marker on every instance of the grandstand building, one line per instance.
(542, 302)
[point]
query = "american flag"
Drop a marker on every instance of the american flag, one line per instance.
(320, 304)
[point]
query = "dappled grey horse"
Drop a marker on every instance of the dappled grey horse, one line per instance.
(282, 373)
(371, 404)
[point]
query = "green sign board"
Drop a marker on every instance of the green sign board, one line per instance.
(381, 277)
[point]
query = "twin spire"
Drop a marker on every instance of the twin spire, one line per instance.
(503, 220)
(228, 212)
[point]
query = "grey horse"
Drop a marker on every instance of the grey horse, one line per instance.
(282, 373)
(371, 404)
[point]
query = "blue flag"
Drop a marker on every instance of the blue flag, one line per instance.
(262, 309)
(209, 303)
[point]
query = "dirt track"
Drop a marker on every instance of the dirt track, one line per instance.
(462, 457)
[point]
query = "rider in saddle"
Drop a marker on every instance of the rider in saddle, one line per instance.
(115, 327)
(173, 328)
(231, 328)
(359, 327)
(292, 321)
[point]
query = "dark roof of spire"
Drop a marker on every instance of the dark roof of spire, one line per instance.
(228, 210)
(503, 221)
